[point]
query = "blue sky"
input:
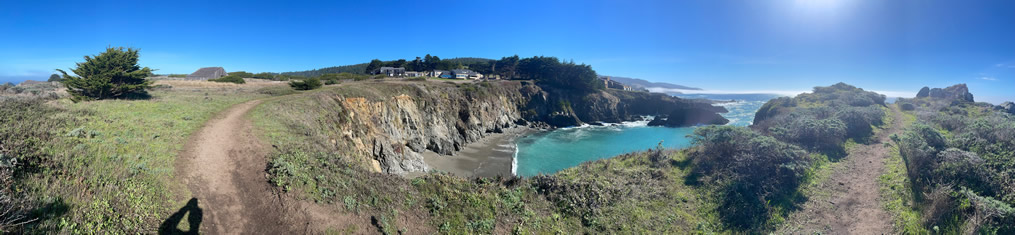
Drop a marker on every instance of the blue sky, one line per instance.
(726, 46)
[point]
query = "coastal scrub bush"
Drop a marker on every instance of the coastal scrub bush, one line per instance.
(962, 173)
(111, 74)
(919, 147)
(241, 74)
(306, 84)
(230, 79)
(578, 197)
(826, 135)
(860, 120)
(753, 172)
(957, 167)
(27, 126)
(269, 76)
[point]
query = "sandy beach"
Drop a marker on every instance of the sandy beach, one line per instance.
(488, 157)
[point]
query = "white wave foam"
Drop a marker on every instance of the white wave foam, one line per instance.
(635, 123)
(640, 123)
(514, 162)
(584, 125)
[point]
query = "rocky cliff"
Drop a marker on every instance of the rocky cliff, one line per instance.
(957, 92)
(1007, 107)
(393, 123)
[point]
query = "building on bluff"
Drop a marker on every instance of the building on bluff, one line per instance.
(207, 73)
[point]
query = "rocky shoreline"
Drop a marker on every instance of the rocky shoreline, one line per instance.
(397, 125)
(491, 156)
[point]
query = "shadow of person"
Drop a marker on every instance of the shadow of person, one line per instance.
(170, 226)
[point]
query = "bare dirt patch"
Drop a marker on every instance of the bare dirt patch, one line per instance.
(848, 201)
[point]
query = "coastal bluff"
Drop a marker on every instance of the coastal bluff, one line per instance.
(389, 125)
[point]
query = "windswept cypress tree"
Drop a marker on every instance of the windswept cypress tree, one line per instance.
(112, 74)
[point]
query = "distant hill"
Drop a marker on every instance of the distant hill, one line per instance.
(29, 83)
(355, 69)
(639, 83)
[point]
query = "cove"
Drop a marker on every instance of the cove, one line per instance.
(551, 151)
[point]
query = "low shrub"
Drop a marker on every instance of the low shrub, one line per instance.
(306, 84)
(577, 197)
(825, 135)
(269, 76)
(962, 173)
(859, 120)
(27, 126)
(230, 79)
(907, 106)
(241, 74)
(753, 172)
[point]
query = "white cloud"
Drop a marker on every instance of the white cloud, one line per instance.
(988, 78)
(1004, 65)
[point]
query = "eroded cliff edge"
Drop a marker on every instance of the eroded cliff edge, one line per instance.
(390, 124)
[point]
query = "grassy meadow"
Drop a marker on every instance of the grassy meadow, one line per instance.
(111, 162)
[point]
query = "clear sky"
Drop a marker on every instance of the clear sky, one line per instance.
(726, 46)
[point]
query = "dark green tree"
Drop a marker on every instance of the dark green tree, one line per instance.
(112, 74)
(54, 78)
(399, 63)
(427, 62)
(506, 66)
(433, 63)
(549, 71)
(374, 65)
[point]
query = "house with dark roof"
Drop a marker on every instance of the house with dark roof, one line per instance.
(392, 71)
(207, 73)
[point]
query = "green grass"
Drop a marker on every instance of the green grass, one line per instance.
(896, 190)
(897, 193)
(118, 177)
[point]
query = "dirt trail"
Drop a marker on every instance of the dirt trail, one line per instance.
(849, 200)
(223, 165)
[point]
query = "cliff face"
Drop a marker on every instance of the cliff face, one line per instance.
(394, 123)
(442, 118)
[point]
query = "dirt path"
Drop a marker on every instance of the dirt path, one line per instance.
(848, 201)
(223, 165)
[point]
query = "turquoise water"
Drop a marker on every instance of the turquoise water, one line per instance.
(552, 151)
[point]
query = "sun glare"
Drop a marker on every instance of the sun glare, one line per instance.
(818, 7)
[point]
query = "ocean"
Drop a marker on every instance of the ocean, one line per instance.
(552, 151)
